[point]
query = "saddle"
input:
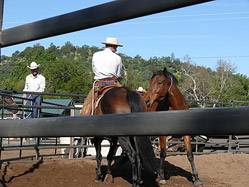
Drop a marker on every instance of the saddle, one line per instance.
(101, 87)
(103, 90)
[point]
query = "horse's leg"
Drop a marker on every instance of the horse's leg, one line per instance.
(139, 166)
(111, 154)
(127, 147)
(187, 142)
(97, 145)
(162, 140)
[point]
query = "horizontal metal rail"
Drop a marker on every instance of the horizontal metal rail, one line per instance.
(8, 92)
(90, 17)
(207, 102)
(13, 107)
(236, 101)
(215, 121)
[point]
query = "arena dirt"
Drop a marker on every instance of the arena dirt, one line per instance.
(217, 170)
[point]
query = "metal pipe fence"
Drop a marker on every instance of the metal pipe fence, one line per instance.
(210, 146)
(38, 144)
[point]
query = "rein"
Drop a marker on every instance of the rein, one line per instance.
(92, 109)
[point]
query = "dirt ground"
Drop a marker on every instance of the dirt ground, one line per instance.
(217, 170)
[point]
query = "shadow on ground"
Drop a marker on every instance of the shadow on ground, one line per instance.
(122, 168)
(5, 181)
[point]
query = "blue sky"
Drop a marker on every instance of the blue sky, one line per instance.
(205, 32)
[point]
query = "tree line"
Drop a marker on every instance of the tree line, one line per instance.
(68, 69)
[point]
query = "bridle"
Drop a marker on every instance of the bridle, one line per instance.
(170, 87)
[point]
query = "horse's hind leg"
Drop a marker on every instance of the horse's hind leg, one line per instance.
(132, 158)
(97, 145)
(190, 156)
(127, 147)
(139, 165)
(111, 154)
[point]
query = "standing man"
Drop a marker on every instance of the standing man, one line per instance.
(107, 67)
(35, 82)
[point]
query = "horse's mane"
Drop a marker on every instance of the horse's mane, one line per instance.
(167, 74)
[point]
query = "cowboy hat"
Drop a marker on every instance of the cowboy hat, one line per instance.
(112, 41)
(33, 65)
(140, 89)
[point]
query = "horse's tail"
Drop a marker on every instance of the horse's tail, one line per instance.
(147, 154)
(144, 144)
(134, 100)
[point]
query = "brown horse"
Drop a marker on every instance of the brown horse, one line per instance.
(124, 100)
(8, 100)
(164, 95)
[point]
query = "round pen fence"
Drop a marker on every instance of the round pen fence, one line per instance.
(223, 129)
(211, 129)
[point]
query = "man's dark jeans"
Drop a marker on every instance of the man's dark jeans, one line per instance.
(37, 99)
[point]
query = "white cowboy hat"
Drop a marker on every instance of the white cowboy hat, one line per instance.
(33, 65)
(112, 41)
(140, 89)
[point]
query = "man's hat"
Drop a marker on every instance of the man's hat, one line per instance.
(112, 41)
(33, 65)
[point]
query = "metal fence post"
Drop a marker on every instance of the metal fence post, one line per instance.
(3, 105)
(230, 143)
(37, 149)
(20, 153)
(1, 144)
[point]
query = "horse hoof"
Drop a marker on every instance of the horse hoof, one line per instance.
(140, 182)
(135, 185)
(162, 182)
(98, 179)
(108, 179)
(198, 182)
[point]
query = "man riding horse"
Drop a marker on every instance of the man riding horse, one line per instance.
(107, 67)
(108, 97)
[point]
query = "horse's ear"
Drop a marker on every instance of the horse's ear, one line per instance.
(165, 71)
(154, 70)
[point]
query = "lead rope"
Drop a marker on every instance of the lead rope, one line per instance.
(93, 96)
(125, 74)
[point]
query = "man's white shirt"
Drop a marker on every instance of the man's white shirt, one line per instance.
(106, 64)
(35, 84)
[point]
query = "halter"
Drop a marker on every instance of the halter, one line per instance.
(170, 87)
(171, 83)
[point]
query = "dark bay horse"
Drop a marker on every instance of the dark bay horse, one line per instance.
(8, 100)
(138, 149)
(164, 95)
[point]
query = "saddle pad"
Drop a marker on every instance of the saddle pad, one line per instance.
(102, 93)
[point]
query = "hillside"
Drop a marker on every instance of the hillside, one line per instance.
(68, 70)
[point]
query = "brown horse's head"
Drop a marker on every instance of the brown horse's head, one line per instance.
(8, 100)
(160, 84)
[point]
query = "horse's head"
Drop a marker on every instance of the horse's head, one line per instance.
(8, 100)
(160, 84)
